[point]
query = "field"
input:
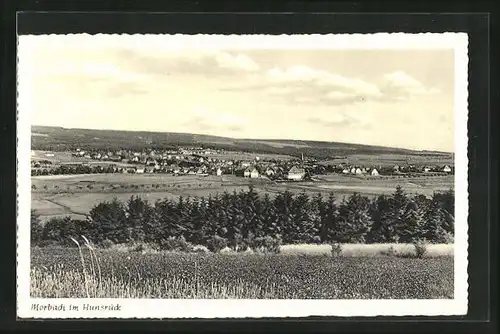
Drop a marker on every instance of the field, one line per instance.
(387, 159)
(58, 273)
(75, 195)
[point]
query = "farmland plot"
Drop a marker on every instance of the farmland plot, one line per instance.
(58, 273)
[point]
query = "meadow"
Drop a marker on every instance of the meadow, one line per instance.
(66, 273)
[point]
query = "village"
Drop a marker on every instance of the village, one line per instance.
(205, 161)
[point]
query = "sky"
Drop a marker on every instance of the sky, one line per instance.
(389, 97)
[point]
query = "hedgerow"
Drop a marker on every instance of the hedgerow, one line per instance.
(244, 219)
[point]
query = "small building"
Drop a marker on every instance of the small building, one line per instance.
(219, 172)
(447, 169)
(254, 173)
(140, 170)
(427, 169)
(296, 173)
(345, 171)
(251, 173)
(358, 171)
(374, 172)
(247, 172)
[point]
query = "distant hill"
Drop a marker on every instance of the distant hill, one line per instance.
(58, 139)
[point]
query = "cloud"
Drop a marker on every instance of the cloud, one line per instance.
(236, 62)
(208, 120)
(400, 85)
(200, 62)
(303, 75)
(305, 85)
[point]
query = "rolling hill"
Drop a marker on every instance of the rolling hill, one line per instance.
(59, 139)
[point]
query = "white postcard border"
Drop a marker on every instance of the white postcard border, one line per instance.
(150, 308)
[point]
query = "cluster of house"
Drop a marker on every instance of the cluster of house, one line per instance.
(358, 170)
(141, 157)
(200, 161)
(295, 173)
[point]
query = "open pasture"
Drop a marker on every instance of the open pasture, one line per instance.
(58, 273)
(57, 157)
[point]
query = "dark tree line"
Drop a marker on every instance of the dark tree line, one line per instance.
(245, 218)
(77, 169)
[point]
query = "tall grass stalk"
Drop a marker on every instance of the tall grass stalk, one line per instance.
(83, 265)
(94, 256)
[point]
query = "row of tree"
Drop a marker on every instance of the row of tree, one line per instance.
(238, 218)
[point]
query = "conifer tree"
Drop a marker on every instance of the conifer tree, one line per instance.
(304, 227)
(379, 212)
(413, 228)
(36, 228)
(330, 219)
(395, 219)
(110, 220)
(354, 221)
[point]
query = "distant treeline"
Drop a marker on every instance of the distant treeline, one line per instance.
(244, 218)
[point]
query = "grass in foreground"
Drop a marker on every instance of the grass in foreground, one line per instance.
(58, 273)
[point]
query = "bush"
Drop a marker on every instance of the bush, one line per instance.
(227, 250)
(216, 243)
(178, 244)
(420, 249)
(266, 244)
(336, 249)
(200, 249)
(144, 247)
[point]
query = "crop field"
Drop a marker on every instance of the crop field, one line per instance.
(60, 273)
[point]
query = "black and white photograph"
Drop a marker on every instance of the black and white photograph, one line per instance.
(242, 175)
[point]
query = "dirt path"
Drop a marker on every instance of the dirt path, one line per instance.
(65, 207)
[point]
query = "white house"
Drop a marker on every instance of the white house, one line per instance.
(296, 173)
(219, 172)
(374, 172)
(345, 171)
(254, 173)
(358, 171)
(353, 170)
(427, 169)
(447, 169)
(140, 170)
